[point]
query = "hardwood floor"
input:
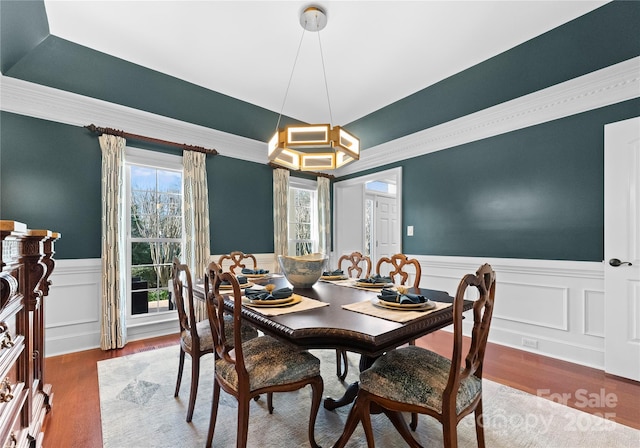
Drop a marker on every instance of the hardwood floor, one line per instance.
(74, 421)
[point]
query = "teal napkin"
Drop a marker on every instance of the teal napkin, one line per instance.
(375, 279)
(333, 273)
(389, 295)
(248, 271)
(263, 294)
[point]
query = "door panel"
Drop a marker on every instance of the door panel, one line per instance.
(622, 242)
(386, 227)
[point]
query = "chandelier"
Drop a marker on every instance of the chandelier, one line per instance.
(308, 147)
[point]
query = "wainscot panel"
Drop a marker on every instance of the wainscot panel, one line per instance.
(553, 308)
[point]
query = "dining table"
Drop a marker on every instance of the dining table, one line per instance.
(343, 315)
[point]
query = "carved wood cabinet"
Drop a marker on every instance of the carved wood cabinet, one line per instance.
(25, 398)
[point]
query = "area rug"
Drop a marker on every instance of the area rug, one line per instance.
(139, 411)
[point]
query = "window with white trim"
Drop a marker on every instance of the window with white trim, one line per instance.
(303, 216)
(155, 231)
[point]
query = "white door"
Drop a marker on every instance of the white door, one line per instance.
(622, 248)
(386, 228)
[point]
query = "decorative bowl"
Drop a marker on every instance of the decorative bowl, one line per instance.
(302, 271)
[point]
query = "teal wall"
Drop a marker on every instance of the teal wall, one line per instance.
(241, 205)
(50, 178)
(533, 193)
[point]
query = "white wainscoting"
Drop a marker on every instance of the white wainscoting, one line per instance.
(72, 308)
(558, 306)
(549, 307)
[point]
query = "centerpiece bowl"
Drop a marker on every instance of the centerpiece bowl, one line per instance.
(302, 271)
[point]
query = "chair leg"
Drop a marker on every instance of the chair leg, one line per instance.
(350, 425)
(403, 429)
(342, 364)
(243, 423)
(214, 413)
(414, 421)
(317, 387)
(449, 432)
(365, 418)
(195, 376)
(180, 368)
(479, 425)
(270, 402)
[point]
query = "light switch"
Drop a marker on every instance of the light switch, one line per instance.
(409, 230)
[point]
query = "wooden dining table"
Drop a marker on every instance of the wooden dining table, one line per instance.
(331, 326)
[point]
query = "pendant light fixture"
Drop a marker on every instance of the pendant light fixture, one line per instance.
(309, 147)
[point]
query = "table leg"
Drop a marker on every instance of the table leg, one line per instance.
(352, 391)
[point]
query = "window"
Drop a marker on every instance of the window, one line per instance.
(303, 212)
(155, 230)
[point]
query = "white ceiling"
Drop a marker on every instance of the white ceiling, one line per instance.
(375, 52)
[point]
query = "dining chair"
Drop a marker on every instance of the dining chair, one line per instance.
(257, 366)
(195, 337)
(401, 266)
(417, 380)
(356, 258)
(360, 264)
(238, 259)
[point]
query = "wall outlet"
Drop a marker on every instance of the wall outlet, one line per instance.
(409, 230)
(531, 343)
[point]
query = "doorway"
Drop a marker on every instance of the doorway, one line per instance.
(367, 214)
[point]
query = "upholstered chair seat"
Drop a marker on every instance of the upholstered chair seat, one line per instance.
(416, 376)
(270, 362)
(204, 335)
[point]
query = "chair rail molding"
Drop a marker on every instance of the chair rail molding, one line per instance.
(610, 85)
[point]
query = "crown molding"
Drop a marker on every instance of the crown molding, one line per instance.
(610, 85)
(35, 100)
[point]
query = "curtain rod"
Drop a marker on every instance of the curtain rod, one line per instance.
(312, 173)
(119, 133)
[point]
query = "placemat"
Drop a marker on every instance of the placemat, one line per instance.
(351, 283)
(366, 307)
(304, 305)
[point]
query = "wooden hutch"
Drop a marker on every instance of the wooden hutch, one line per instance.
(25, 398)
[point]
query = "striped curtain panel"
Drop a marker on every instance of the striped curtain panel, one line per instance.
(280, 224)
(114, 313)
(196, 219)
(324, 216)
